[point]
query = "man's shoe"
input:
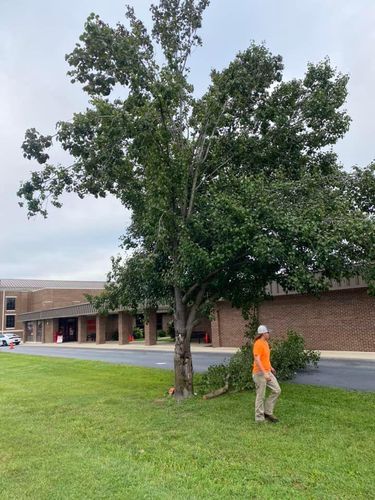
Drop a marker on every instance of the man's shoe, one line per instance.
(271, 418)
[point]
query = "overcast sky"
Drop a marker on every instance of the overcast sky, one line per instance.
(76, 242)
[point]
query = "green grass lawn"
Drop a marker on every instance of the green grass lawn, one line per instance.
(85, 430)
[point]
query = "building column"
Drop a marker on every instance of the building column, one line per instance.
(43, 331)
(215, 328)
(24, 333)
(125, 327)
(50, 327)
(82, 329)
(48, 331)
(100, 329)
(150, 329)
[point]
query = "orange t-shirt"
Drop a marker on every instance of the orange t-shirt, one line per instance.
(262, 349)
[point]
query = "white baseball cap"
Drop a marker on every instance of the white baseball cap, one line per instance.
(263, 329)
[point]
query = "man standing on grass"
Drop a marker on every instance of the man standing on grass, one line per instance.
(263, 376)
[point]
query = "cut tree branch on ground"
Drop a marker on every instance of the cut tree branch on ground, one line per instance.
(218, 392)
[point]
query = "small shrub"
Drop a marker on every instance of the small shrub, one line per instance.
(287, 357)
(237, 370)
(161, 333)
(138, 333)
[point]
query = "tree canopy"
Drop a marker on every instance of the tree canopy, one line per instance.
(228, 190)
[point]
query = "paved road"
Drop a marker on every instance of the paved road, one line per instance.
(153, 359)
(348, 374)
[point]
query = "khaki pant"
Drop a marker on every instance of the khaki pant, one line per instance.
(267, 406)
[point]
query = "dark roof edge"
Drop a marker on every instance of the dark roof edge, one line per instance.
(85, 309)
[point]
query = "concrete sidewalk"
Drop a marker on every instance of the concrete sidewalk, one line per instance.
(368, 356)
(136, 346)
(203, 348)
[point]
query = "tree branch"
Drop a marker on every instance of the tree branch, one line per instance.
(209, 276)
(214, 172)
(202, 156)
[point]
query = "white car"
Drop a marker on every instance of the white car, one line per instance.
(7, 338)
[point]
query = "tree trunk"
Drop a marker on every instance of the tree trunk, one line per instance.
(183, 364)
(183, 368)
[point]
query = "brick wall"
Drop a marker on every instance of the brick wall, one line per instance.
(51, 298)
(340, 320)
(22, 304)
(228, 327)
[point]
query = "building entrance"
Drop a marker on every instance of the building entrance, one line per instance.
(68, 328)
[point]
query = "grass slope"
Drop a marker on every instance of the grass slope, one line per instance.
(85, 430)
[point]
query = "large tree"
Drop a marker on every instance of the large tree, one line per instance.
(228, 191)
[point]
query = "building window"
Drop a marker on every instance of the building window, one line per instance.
(11, 304)
(10, 321)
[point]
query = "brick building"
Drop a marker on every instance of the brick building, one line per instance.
(19, 296)
(340, 319)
